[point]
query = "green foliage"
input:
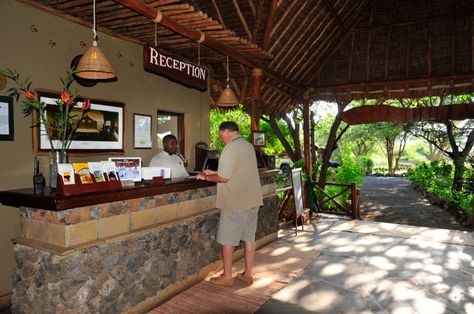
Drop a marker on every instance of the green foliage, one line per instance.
(242, 118)
(437, 177)
(367, 165)
(218, 116)
(351, 169)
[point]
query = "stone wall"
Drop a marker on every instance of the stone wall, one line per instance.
(116, 275)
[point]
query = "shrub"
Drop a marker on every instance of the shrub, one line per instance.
(436, 177)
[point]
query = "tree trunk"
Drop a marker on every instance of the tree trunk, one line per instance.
(401, 149)
(314, 157)
(328, 150)
(294, 155)
(458, 172)
(389, 144)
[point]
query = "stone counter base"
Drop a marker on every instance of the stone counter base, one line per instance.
(117, 275)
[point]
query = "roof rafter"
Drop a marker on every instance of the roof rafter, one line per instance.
(268, 24)
(209, 41)
(333, 13)
(242, 19)
(362, 13)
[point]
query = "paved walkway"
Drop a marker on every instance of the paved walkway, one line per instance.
(371, 267)
(391, 199)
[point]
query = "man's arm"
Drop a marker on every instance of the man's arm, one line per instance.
(213, 177)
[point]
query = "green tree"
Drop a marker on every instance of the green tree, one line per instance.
(393, 139)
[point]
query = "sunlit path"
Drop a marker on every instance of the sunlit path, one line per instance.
(372, 267)
(391, 199)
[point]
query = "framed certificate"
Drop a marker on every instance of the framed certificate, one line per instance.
(6, 118)
(141, 131)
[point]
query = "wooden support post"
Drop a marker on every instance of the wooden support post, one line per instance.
(306, 135)
(256, 110)
(354, 213)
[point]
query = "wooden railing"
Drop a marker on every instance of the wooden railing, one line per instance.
(324, 199)
(352, 209)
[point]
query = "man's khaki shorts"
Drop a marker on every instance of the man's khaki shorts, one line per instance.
(237, 225)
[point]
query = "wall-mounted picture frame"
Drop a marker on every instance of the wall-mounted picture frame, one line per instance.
(6, 118)
(259, 138)
(101, 132)
(128, 168)
(142, 131)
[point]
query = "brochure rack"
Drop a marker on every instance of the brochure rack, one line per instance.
(81, 188)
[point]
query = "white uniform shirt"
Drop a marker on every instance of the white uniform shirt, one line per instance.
(174, 162)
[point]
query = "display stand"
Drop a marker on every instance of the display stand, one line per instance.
(155, 181)
(81, 188)
(67, 189)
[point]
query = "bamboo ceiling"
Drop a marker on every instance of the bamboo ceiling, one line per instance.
(340, 49)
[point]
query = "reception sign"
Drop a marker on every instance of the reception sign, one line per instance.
(183, 72)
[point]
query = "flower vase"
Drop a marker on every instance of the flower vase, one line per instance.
(55, 157)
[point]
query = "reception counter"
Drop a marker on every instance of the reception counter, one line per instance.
(120, 251)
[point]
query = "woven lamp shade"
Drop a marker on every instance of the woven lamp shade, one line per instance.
(227, 98)
(94, 65)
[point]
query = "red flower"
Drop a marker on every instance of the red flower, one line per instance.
(86, 104)
(29, 95)
(66, 98)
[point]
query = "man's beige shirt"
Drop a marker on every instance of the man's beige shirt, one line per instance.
(239, 164)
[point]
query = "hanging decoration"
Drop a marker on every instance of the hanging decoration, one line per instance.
(227, 98)
(93, 64)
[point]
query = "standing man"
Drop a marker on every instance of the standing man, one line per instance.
(169, 158)
(239, 196)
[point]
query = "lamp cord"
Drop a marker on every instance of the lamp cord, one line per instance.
(93, 12)
(199, 54)
(156, 39)
(228, 71)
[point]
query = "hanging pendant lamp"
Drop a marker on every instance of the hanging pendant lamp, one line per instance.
(93, 64)
(227, 98)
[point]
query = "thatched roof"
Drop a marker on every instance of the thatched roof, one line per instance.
(339, 50)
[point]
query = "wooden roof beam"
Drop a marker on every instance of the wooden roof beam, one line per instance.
(80, 21)
(268, 24)
(333, 13)
(242, 19)
(385, 113)
(362, 85)
(342, 41)
(417, 21)
(219, 15)
(209, 41)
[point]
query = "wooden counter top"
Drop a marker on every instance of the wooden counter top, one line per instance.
(50, 201)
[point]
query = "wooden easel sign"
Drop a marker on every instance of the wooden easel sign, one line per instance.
(298, 197)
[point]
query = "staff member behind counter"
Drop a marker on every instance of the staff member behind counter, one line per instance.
(169, 158)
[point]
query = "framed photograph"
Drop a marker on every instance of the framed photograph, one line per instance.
(101, 131)
(128, 168)
(259, 138)
(6, 118)
(141, 131)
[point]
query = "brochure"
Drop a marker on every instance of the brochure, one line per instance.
(129, 168)
(110, 170)
(66, 171)
(96, 169)
(82, 169)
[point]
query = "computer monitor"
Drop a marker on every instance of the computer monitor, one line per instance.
(210, 163)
